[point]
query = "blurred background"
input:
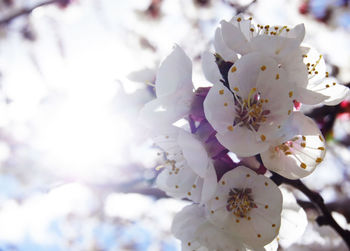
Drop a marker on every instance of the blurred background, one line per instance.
(76, 168)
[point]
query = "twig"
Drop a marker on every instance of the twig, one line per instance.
(24, 11)
(325, 217)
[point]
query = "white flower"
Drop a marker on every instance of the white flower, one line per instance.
(248, 206)
(248, 115)
(188, 171)
(174, 90)
(305, 70)
(299, 152)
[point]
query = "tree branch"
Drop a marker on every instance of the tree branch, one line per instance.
(24, 11)
(325, 217)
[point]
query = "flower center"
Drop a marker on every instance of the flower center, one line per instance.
(250, 111)
(240, 202)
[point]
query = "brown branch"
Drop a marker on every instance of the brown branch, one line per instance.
(325, 217)
(24, 12)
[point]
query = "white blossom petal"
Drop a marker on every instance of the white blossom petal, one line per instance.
(164, 111)
(300, 155)
(219, 108)
(209, 184)
(234, 38)
(174, 73)
(183, 183)
(294, 220)
(194, 153)
(221, 48)
(242, 141)
(210, 68)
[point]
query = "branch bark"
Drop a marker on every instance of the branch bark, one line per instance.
(24, 12)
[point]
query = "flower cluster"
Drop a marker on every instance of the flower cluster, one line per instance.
(261, 75)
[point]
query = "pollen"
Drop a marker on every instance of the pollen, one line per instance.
(319, 160)
(320, 137)
(334, 83)
(303, 137)
(321, 148)
(189, 243)
(263, 68)
(266, 206)
(217, 198)
(289, 112)
(259, 235)
(212, 211)
(194, 186)
(189, 193)
(225, 104)
(252, 29)
(290, 94)
(230, 128)
(263, 137)
(303, 165)
(249, 218)
(223, 182)
(240, 202)
(302, 144)
(273, 225)
(221, 92)
(248, 175)
(236, 89)
(277, 76)
(239, 19)
(233, 69)
(266, 184)
(176, 186)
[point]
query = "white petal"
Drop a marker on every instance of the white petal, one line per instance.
(304, 152)
(221, 48)
(174, 73)
(242, 141)
(279, 94)
(180, 184)
(298, 32)
(274, 46)
(234, 38)
(335, 92)
(166, 139)
(294, 220)
(244, 25)
(245, 72)
(194, 153)
(219, 108)
(309, 97)
(210, 68)
(186, 222)
(209, 184)
(163, 111)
